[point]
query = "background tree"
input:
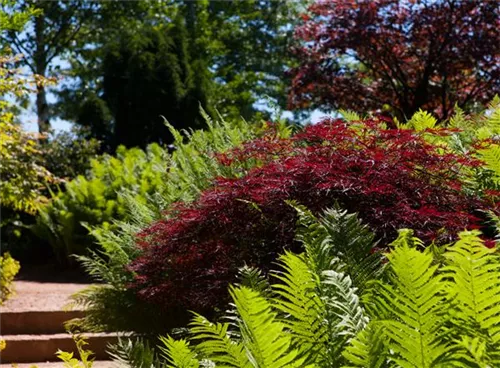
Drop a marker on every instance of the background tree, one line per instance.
(148, 75)
(58, 29)
(405, 55)
(229, 45)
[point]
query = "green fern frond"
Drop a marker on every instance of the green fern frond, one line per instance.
(298, 299)
(339, 235)
(416, 297)
(133, 353)
(178, 353)
(491, 157)
(422, 120)
(344, 317)
(367, 349)
(349, 115)
(254, 279)
(493, 120)
(475, 352)
(475, 271)
(264, 336)
(344, 302)
(215, 343)
(458, 119)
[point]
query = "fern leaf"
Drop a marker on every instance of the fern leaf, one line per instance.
(417, 297)
(302, 306)
(216, 345)
(254, 279)
(128, 353)
(367, 349)
(178, 353)
(422, 120)
(263, 335)
(475, 271)
(339, 235)
(491, 157)
(345, 304)
(349, 115)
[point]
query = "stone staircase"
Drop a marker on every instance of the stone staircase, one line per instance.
(32, 325)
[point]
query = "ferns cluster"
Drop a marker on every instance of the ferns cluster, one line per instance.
(407, 309)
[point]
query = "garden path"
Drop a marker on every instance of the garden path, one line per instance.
(32, 320)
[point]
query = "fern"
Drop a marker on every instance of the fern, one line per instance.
(254, 279)
(338, 234)
(367, 349)
(349, 115)
(263, 335)
(475, 271)
(491, 157)
(298, 298)
(215, 342)
(417, 298)
(178, 353)
(134, 353)
(422, 120)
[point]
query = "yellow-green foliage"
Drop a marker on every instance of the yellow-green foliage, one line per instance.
(95, 199)
(22, 172)
(84, 361)
(9, 268)
(21, 169)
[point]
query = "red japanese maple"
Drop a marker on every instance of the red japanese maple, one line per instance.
(393, 178)
(427, 54)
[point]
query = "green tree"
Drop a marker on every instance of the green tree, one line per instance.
(148, 76)
(60, 28)
(238, 54)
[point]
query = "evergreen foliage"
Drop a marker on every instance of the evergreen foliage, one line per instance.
(132, 70)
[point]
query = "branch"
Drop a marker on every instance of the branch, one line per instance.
(23, 50)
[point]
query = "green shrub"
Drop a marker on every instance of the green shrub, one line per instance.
(69, 154)
(94, 199)
(9, 268)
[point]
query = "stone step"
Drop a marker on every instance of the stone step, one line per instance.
(36, 322)
(43, 348)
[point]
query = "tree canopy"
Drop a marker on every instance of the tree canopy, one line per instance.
(406, 55)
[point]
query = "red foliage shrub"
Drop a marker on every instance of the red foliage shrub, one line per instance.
(392, 178)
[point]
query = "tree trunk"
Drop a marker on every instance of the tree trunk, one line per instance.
(40, 59)
(42, 110)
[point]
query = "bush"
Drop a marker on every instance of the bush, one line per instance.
(394, 178)
(68, 154)
(94, 200)
(192, 168)
(9, 268)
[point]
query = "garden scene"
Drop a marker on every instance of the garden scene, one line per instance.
(250, 184)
